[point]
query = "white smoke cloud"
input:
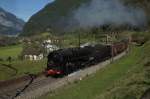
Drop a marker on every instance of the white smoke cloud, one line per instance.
(100, 12)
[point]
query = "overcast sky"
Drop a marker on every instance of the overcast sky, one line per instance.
(23, 9)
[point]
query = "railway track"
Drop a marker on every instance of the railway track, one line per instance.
(8, 90)
(23, 85)
(38, 85)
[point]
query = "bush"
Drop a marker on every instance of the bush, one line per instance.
(140, 38)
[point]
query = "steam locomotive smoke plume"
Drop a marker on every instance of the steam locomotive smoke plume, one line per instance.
(101, 12)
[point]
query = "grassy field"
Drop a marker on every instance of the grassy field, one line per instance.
(117, 81)
(17, 67)
(12, 51)
(135, 82)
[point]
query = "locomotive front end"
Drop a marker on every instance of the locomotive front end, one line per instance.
(53, 69)
(54, 65)
(52, 72)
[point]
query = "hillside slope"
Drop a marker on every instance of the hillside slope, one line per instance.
(9, 23)
(57, 16)
(52, 16)
(127, 78)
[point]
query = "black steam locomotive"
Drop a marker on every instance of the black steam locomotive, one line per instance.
(65, 61)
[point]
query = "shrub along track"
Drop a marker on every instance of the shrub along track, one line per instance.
(146, 95)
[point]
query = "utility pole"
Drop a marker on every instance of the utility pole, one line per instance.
(107, 38)
(79, 39)
(112, 52)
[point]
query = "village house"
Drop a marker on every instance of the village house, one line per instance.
(38, 52)
(34, 57)
(52, 44)
(33, 54)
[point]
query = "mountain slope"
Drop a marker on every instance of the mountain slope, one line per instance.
(9, 23)
(52, 16)
(57, 15)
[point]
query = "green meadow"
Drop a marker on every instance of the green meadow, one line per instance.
(17, 67)
(12, 51)
(21, 68)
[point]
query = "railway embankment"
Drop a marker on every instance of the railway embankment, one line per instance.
(58, 83)
(126, 78)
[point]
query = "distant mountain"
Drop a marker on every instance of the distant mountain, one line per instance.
(58, 16)
(9, 23)
(52, 16)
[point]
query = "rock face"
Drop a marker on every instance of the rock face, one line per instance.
(9, 23)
